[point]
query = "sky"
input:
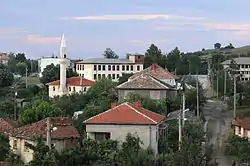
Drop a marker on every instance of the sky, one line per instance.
(126, 26)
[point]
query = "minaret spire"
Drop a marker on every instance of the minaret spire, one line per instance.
(63, 66)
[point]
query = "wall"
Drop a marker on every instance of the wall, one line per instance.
(77, 90)
(89, 71)
(53, 93)
(153, 94)
(119, 133)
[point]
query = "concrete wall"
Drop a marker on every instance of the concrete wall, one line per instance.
(54, 90)
(153, 94)
(88, 72)
(148, 134)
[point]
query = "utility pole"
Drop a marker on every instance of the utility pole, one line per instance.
(26, 81)
(181, 114)
(217, 84)
(197, 96)
(189, 62)
(212, 74)
(234, 97)
(225, 84)
(15, 116)
(48, 133)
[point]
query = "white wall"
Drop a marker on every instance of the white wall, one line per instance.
(119, 133)
(88, 71)
(53, 93)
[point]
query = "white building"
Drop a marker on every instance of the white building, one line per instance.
(4, 58)
(67, 86)
(243, 65)
(45, 61)
(97, 68)
(117, 122)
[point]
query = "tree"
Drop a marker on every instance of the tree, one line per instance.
(38, 110)
(4, 147)
(21, 68)
(217, 46)
(124, 77)
(12, 62)
(20, 57)
(173, 59)
(154, 55)
(42, 155)
(52, 73)
(6, 77)
(110, 54)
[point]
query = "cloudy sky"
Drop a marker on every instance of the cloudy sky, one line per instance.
(126, 26)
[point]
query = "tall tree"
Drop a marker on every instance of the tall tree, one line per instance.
(173, 59)
(154, 55)
(110, 54)
(20, 57)
(21, 68)
(6, 77)
(217, 46)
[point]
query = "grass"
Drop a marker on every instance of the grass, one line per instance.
(31, 80)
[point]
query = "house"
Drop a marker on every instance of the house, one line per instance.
(125, 118)
(45, 61)
(64, 136)
(97, 68)
(243, 63)
(73, 85)
(67, 86)
(242, 127)
(154, 82)
(146, 86)
(4, 58)
(7, 125)
(159, 73)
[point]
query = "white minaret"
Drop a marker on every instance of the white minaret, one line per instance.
(63, 67)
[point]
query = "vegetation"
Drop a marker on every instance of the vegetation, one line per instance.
(110, 54)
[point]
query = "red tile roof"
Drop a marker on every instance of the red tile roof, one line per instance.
(245, 123)
(4, 56)
(155, 71)
(74, 81)
(64, 130)
(127, 113)
(7, 125)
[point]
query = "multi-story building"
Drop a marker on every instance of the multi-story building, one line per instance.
(97, 68)
(45, 61)
(4, 58)
(243, 65)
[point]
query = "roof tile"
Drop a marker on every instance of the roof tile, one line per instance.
(245, 122)
(74, 81)
(126, 113)
(7, 125)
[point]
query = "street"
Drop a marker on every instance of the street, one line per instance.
(218, 125)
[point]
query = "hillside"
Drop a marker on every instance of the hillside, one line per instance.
(230, 53)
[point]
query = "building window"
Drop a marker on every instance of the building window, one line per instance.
(113, 76)
(109, 76)
(117, 76)
(85, 89)
(70, 88)
(102, 136)
(123, 67)
(14, 144)
(103, 75)
(74, 89)
(99, 67)
(99, 76)
(138, 67)
(94, 76)
(131, 67)
(109, 67)
(127, 67)
(25, 148)
(113, 67)
(54, 89)
(82, 67)
(77, 67)
(103, 67)
(117, 67)
(94, 67)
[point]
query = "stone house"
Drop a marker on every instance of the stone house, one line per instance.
(146, 86)
(125, 118)
(64, 136)
(242, 127)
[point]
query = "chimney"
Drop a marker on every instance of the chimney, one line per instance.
(113, 105)
(137, 104)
